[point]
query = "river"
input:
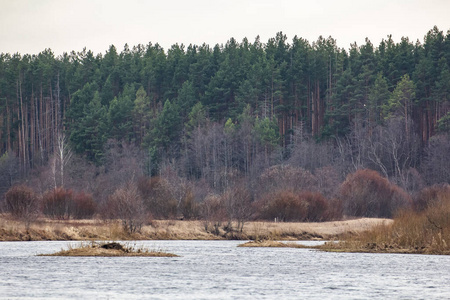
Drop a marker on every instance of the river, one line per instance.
(219, 270)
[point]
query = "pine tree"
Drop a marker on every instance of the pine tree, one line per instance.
(90, 132)
(166, 127)
(120, 118)
(379, 95)
(141, 115)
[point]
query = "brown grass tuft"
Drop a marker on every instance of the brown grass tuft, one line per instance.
(110, 250)
(270, 244)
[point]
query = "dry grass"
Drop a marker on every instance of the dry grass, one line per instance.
(110, 250)
(426, 232)
(309, 231)
(81, 230)
(271, 244)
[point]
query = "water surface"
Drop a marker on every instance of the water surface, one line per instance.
(219, 270)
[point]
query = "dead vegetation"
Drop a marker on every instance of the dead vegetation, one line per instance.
(423, 230)
(110, 249)
(81, 230)
(271, 244)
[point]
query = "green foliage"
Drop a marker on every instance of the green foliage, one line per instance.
(155, 98)
(80, 99)
(89, 134)
(166, 127)
(120, 118)
(186, 98)
(230, 127)
(141, 114)
(402, 99)
(441, 91)
(107, 92)
(444, 123)
(267, 132)
(379, 95)
(196, 118)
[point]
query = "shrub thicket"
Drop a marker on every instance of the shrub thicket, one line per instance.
(21, 202)
(58, 203)
(430, 195)
(84, 206)
(157, 198)
(317, 206)
(300, 207)
(366, 193)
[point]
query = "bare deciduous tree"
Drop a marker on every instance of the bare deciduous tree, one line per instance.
(213, 212)
(436, 165)
(63, 154)
(286, 178)
(126, 205)
(328, 180)
(394, 150)
(238, 205)
(308, 154)
(123, 162)
(9, 171)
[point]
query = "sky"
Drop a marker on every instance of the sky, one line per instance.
(30, 26)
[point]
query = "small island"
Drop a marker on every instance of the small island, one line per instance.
(271, 244)
(110, 249)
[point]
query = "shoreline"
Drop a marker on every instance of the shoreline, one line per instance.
(89, 230)
(379, 249)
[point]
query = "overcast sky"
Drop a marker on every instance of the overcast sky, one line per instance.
(30, 26)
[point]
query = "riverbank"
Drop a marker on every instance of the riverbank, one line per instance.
(80, 230)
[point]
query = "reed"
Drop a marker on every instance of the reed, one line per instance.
(412, 231)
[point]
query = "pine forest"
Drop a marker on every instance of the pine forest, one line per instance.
(290, 130)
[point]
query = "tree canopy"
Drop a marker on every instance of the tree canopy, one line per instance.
(270, 95)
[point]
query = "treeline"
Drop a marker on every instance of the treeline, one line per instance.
(282, 194)
(226, 115)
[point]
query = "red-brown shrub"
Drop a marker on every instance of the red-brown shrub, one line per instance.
(304, 206)
(366, 194)
(335, 210)
(430, 195)
(21, 202)
(84, 206)
(58, 203)
(157, 198)
(284, 206)
(317, 206)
